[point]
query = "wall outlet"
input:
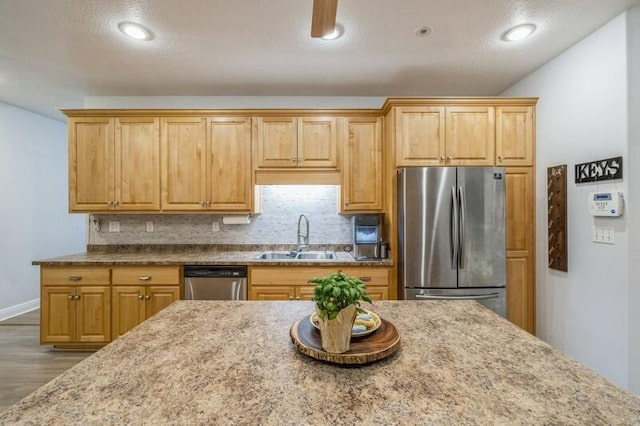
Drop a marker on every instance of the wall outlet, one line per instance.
(95, 225)
(149, 226)
(114, 226)
(603, 235)
(215, 227)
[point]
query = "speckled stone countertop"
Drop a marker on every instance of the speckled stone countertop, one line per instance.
(215, 362)
(196, 255)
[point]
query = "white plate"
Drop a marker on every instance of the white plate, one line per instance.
(313, 318)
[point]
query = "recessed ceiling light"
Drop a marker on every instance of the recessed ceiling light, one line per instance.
(423, 31)
(519, 32)
(136, 31)
(335, 34)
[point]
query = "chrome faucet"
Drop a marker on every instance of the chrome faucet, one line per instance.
(303, 238)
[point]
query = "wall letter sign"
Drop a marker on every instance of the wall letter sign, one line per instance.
(595, 171)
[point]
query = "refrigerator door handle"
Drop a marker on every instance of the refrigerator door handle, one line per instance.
(453, 228)
(463, 229)
(471, 297)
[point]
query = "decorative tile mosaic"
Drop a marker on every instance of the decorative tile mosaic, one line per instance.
(277, 224)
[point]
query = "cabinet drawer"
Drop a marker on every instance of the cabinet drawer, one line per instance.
(82, 275)
(301, 275)
(155, 275)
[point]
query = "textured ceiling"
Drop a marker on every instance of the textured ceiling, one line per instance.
(53, 53)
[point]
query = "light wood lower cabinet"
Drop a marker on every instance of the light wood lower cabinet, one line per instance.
(520, 247)
(81, 308)
(291, 282)
(74, 313)
(140, 292)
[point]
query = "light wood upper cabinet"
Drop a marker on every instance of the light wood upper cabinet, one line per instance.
(229, 181)
(91, 164)
(445, 136)
(514, 135)
(114, 164)
(362, 171)
(137, 163)
(470, 137)
(184, 163)
(206, 164)
(285, 142)
(420, 133)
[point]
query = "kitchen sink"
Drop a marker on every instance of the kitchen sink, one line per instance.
(313, 255)
(291, 255)
(274, 255)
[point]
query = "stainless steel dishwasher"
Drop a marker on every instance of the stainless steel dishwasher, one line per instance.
(219, 282)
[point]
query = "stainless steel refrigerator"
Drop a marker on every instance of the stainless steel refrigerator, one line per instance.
(451, 224)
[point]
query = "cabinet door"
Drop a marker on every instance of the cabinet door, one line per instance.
(276, 140)
(93, 314)
(91, 164)
(57, 315)
(159, 297)
(128, 308)
(274, 292)
(520, 247)
(317, 142)
(230, 164)
(305, 293)
(420, 136)
(470, 136)
(514, 136)
(184, 164)
(137, 163)
(361, 139)
(378, 293)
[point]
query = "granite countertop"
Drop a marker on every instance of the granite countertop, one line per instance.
(215, 362)
(194, 255)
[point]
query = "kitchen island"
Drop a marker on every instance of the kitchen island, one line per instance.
(214, 362)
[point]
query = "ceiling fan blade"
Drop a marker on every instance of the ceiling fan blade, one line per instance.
(324, 17)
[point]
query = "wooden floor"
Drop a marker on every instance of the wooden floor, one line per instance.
(24, 364)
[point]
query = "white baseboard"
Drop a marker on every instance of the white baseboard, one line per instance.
(20, 309)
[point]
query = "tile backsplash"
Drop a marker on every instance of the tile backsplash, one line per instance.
(277, 224)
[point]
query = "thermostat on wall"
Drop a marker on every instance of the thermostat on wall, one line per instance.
(606, 203)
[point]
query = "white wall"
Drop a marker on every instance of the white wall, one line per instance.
(633, 198)
(582, 115)
(34, 222)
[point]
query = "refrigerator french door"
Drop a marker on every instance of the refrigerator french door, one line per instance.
(451, 223)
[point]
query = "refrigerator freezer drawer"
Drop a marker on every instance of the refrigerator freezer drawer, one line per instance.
(492, 298)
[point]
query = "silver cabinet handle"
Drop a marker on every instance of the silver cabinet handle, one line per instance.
(448, 158)
(144, 278)
(290, 297)
(293, 160)
(297, 298)
(140, 297)
(147, 297)
(500, 158)
(364, 278)
(70, 297)
(116, 203)
(203, 203)
(208, 203)
(300, 159)
(441, 158)
(75, 278)
(77, 297)
(472, 297)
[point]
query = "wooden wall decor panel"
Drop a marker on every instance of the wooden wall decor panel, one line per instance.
(557, 216)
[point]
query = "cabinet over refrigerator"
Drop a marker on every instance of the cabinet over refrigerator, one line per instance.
(451, 224)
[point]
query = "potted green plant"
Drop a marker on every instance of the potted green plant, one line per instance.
(337, 298)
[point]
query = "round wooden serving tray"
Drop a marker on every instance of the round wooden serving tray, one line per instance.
(374, 347)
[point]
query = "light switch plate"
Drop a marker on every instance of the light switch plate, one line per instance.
(215, 227)
(114, 226)
(149, 226)
(603, 235)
